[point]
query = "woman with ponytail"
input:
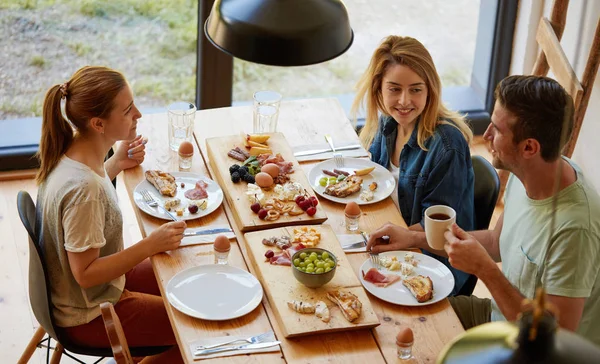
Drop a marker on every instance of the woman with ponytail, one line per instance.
(424, 144)
(82, 225)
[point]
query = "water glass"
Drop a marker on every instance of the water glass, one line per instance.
(266, 111)
(181, 123)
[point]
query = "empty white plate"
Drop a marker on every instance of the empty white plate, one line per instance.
(214, 292)
(442, 278)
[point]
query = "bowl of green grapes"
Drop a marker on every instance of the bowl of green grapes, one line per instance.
(313, 267)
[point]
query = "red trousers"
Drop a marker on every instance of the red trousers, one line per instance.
(141, 310)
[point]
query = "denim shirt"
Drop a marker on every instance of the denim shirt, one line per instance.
(442, 175)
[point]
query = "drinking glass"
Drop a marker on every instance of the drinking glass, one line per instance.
(181, 123)
(266, 111)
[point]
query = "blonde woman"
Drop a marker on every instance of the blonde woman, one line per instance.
(82, 226)
(426, 146)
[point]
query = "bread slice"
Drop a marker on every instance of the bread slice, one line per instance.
(301, 307)
(348, 186)
(349, 304)
(322, 311)
(164, 182)
(420, 286)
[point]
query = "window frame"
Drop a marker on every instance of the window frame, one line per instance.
(214, 75)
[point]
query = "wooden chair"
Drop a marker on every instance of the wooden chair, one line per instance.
(116, 336)
(41, 303)
(552, 57)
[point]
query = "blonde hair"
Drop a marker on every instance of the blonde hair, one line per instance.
(89, 93)
(411, 53)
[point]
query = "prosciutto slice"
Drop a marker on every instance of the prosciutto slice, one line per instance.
(379, 279)
(199, 192)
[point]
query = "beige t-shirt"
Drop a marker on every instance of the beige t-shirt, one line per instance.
(569, 266)
(79, 211)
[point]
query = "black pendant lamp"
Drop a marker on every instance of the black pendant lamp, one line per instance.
(280, 32)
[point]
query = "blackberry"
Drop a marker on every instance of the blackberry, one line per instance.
(249, 178)
(233, 168)
(242, 172)
(235, 177)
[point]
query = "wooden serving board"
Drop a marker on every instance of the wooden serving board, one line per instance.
(281, 286)
(235, 193)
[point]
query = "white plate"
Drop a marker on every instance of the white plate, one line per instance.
(215, 196)
(442, 278)
(214, 292)
(385, 181)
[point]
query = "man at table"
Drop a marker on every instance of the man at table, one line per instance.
(525, 139)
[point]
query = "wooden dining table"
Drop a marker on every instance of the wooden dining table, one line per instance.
(302, 122)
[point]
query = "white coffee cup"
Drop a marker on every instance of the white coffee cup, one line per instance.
(438, 219)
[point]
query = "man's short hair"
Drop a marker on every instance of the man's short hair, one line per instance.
(541, 106)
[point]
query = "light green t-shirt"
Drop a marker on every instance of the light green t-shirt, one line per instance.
(569, 266)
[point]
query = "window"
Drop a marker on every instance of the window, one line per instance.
(469, 40)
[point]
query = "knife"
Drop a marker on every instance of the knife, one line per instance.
(319, 151)
(359, 244)
(239, 347)
(207, 232)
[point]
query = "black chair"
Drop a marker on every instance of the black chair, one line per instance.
(487, 187)
(41, 304)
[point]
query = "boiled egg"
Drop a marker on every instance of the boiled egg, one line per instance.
(263, 180)
(405, 336)
(222, 244)
(270, 168)
(352, 209)
(186, 148)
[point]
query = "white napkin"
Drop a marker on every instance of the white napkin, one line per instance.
(204, 239)
(353, 153)
(347, 239)
(216, 340)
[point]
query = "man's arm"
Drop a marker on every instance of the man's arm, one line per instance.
(414, 237)
(465, 253)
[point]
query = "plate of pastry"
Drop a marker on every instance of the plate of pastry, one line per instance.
(407, 278)
(185, 195)
(359, 180)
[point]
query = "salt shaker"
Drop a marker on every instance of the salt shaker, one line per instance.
(186, 152)
(221, 247)
(404, 342)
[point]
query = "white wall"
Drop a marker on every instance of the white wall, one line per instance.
(582, 19)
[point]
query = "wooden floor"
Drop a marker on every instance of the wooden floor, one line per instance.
(17, 323)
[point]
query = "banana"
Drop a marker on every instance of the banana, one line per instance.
(364, 171)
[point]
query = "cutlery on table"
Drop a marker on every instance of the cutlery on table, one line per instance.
(250, 340)
(337, 157)
(319, 151)
(207, 232)
(360, 244)
(150, 201)
(239, 347)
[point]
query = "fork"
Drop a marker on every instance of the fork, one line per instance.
(250, 340)
(374, 260)
(337, 157)
(150, 201)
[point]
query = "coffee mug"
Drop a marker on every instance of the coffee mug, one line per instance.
(438, 219)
